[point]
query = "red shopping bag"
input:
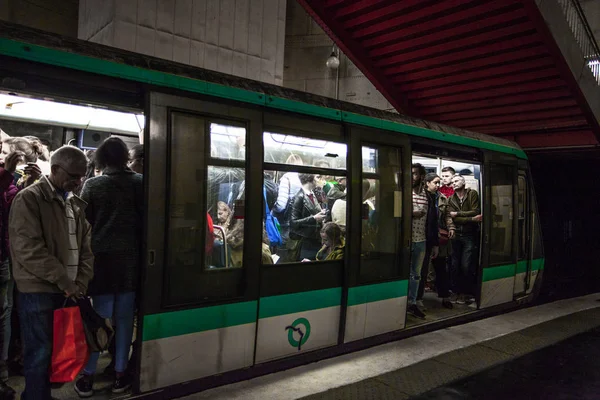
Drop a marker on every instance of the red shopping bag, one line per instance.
(69, 348)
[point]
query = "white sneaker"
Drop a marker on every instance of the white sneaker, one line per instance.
(421, 305)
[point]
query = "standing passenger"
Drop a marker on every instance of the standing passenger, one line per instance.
(418, 247)
(7, 192)
(136, 159)
(289, 186)
(465, 211)
(52, 259)
(446, 189)
(438, 217)
(115, 201)
(307, 218)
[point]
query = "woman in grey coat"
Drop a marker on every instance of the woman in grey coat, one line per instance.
(115, 201)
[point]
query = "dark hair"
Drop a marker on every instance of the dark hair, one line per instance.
(449, 169)
(306, 178)
(137, 152)
(333, 232)
(31, 149)
(111, 153)
(431, 176)
(420, 167)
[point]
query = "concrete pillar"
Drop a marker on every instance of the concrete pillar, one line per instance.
(239, 37)
(307, 48)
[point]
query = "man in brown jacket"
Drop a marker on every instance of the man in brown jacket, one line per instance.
(52, 259)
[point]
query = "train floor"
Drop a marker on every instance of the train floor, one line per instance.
(567, 370)
(417, 365)
(435, 311)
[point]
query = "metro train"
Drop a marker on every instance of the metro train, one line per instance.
(206, 319)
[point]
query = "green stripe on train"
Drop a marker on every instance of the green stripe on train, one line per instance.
(273, 306)
(66, 59)
(509, 271)
(176, 323)
(377, 292)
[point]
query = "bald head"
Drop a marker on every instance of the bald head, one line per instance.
(68, 165)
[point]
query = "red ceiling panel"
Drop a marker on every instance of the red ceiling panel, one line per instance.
(484, 65)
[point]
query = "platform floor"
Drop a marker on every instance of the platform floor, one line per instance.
(567, 370)
(416, 365)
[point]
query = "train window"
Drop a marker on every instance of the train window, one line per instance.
(522, 215)
(309, 203)
(501, 178)
(205, 207)
(381, 210)
(297, 150)
(227, 142)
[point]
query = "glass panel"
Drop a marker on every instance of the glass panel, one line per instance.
(296, 150)
(522, 196)
(311, 212)
(381, 211)
(502, 214)
(227, 142)
(369, 159)
(225, 206)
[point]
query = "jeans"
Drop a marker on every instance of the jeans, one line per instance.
(122, 307)
(417, 255)
(36, 312)
(6, 306)
(464, 255)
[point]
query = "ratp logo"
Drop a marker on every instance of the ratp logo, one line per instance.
(301, 327)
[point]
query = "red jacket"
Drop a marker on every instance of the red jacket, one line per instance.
(8, 192)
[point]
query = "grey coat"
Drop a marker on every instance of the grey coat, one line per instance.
(115, 208)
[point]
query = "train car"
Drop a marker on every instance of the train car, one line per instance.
(223, 304)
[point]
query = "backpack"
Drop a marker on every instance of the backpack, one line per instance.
(272, 224)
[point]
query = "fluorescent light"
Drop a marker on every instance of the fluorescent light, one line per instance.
(18, 108)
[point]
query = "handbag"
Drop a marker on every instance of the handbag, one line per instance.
(444, 237)
(98, 331)
(70, 351)
(272, 224)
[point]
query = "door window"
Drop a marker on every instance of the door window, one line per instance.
(501, 178)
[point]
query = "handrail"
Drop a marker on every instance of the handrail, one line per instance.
(583, 34)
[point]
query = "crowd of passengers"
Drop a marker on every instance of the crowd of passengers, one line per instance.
(445, 232)
(61, 240)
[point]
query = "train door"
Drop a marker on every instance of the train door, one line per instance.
(199, 292)
(500, 237)
(380, 236)
(523, 272)
(306, 188)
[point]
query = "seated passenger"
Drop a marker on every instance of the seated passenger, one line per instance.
(307, 217)
(224, 218)
(333, 243)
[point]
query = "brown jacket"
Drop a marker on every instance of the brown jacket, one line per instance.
(39, 241)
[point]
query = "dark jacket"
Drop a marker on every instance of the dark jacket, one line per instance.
(438, 217)
(303, 223)
(466, 210)
(115, 208)
(334, 194)
(8, 192)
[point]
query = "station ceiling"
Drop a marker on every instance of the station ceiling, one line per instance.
(490, 66)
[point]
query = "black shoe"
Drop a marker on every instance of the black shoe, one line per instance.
(414, 311)
(447, 304)
(122, 384)
(85, 386)
(6, 392)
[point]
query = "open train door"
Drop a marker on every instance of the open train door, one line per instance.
(499, 234)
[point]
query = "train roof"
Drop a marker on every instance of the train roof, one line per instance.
(39, 46)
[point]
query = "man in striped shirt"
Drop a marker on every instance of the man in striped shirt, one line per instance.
(418, 247)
